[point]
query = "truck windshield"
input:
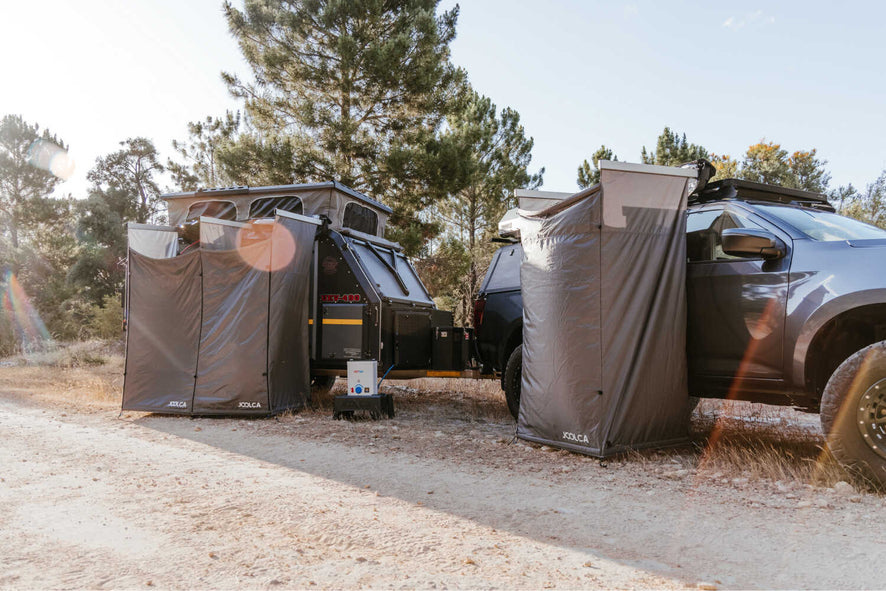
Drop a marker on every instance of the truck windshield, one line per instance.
(824, 225)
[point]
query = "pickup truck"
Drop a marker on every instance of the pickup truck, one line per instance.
(786, 304)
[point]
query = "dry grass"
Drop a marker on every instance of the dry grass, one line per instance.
(89, 373)
(68, 355)
(763, 442)
(436, 398)
(730, 439)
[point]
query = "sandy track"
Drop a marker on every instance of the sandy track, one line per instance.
(93, 501)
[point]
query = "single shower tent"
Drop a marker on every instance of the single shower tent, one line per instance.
(604, 313)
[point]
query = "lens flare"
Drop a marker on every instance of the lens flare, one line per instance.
(267, 247)
(49, 157)
(21, 315)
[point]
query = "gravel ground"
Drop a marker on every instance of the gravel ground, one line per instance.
(439, 497)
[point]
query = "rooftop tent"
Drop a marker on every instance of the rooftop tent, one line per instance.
(604, 314)
(343, 206)
(222, 330)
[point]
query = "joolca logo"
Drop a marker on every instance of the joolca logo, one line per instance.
(578, 438)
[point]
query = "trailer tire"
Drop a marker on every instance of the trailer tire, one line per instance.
(853, 413)
(512, 379)
(321, 385)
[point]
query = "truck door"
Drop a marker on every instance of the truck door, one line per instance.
(736, 306)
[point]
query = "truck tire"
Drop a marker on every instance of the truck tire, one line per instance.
(321, 385)
(511, 380)
(692, 405)
(853, 413)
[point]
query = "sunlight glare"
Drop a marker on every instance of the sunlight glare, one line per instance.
(267, 247)
(26, 323)
(49, 157)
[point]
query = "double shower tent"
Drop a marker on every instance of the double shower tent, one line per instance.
(223, 328)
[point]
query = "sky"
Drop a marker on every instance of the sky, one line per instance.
(580, 73)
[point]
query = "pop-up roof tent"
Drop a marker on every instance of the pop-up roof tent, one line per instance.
(604, 314)
(343, 206)
(222, 329)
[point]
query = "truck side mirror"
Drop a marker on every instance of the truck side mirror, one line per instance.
(752, 243)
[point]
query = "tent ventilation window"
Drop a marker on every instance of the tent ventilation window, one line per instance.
(190, 230)
(360, 218)
(265, 207)
(223, 210)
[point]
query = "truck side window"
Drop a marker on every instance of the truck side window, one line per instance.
(729, 219)
(703, 233)
(699, 235)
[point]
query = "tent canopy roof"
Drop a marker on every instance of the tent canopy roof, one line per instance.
(329, 199)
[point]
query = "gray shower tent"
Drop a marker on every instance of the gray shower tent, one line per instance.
(222, 329)
(604, 314)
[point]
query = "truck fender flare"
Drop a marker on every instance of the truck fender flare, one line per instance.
(818, 319)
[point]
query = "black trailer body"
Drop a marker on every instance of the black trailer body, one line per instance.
(370, 304)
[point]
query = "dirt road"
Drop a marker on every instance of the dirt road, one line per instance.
(91, 500)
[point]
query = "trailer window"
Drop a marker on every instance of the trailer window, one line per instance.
(360, 218)
(265, 207)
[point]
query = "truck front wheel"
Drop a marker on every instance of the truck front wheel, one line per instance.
(853, 412)
(511, 380)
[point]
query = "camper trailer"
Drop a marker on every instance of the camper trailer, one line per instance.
(363, 297)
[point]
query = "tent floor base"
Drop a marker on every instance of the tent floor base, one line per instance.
(608, 452)
(345, 406)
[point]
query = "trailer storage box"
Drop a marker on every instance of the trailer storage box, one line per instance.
(604, 314)
(451, 349)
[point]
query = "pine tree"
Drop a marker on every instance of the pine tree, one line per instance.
(132, 171)
(869, 207)
(767, 162)
(672, 150)
(23, 178)
(482, 157)
(589, 174)
(124, 189)
(39, 246)
(808, 172)
(201, 153)
(351, 91)
(727, 167)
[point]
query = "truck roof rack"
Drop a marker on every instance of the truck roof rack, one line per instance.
(751, 191)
